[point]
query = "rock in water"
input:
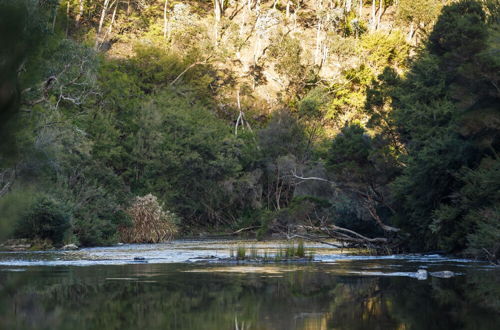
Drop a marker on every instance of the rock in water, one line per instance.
(139, 258)
(70, 247)
(421, 274)
(444, 274)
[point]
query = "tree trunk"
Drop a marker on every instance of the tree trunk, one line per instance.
(373, 19)
(348, 5)
(80, 12)
(55, 17)
(380, 13)
(101, 21)
(318, 42)
(165, 21)
(218, 10)
(103, 15)
(110, 29)
(410, 34)
(67, 18)
(240, 115)
(360, 8)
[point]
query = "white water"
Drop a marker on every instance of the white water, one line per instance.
(189, 251)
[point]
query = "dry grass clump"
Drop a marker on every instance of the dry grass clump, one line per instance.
(150, 223)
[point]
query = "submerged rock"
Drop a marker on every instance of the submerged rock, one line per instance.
(444, 274)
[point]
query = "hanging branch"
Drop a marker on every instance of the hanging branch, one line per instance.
(368, 200)
(192, 65)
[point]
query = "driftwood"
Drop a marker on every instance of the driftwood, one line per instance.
(369, 199)
(320, 228)
(150, 223)
(245, 229)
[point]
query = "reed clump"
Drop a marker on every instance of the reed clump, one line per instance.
(241, 252)
(150, 223)
(290, 252)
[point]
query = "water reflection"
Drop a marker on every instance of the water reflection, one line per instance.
(184, 296)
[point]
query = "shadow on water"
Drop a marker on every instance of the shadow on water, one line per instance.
(188, 296)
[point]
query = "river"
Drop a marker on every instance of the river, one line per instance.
(177, 286)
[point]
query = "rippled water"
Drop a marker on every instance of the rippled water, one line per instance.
(105, 288)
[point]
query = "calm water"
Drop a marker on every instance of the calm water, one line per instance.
(104, 288)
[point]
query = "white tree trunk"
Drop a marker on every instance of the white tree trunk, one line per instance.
(318, 43)
(218, 10)
(410, 34)
(373, 19)
(103, 16)
(110, 28)
(80, 12)
(165, 21)
(348, 5)
(67, 17)
(380, 12)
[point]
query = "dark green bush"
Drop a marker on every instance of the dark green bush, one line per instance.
(46, 219)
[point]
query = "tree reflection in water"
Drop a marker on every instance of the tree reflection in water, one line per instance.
(185, 297)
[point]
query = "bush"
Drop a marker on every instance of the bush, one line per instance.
(483, 242)
(150, 223)
(46, 219)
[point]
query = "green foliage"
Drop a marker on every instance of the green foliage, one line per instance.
(472, 219)
(437, 109)
(459, 33)
(157, 116)
(157, 68)
(190, 148)
(300, 251)
(283, 135)
(286, 52)
(356, 158)
(419, 12)
(46, 218)
(22, 31)
(12, 208)
(241, 252)
(384, 50)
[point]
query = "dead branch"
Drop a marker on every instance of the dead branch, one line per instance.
(192, 65)
(245, 229)
(6, 178)
(313, 239)
(368, 198)
(333, 231)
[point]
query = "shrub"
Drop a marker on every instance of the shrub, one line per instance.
(45, 219)
(483, 242)
(150, 223)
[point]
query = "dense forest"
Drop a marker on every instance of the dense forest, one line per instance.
(375, 123)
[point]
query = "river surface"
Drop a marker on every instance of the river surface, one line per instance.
(177, 286)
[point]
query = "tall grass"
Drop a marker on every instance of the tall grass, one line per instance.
(291, 251)
(241, 252)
